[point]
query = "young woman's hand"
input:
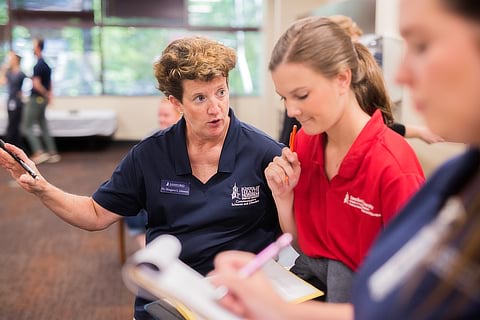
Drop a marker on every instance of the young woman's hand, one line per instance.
(283, 173)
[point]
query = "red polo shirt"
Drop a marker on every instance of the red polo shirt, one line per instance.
(340, 218)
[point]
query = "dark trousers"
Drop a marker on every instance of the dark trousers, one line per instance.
(15, 109)
(330, 276)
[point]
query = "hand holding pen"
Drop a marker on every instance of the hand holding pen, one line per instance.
(26, 167)
(291, 143)
(255, 264)
(270, 252)
(293, 134)
(284, 171)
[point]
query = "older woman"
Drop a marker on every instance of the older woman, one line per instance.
(426, 263)
(200, 180)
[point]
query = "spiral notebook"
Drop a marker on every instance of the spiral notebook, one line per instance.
(156, 273)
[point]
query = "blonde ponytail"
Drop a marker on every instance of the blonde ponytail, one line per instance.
(368, 85)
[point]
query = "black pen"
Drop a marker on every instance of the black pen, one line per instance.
(20, 161)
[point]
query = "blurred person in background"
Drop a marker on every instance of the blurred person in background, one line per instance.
(167, 116)
(34, 111)
(12, 75)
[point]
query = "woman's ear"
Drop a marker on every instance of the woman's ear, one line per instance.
(344, 78)
(177, 104)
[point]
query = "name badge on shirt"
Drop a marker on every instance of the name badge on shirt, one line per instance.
(175, 187)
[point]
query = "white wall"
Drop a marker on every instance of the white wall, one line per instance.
(136, 115)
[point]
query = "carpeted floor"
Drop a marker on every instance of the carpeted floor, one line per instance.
(51, 270)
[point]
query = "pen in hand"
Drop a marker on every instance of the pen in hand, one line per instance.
(292, 137)
(270, 252)
(26, 167)
(291, 143)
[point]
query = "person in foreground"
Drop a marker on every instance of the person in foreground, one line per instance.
(349, 174)
(425, 265)
(200, 180)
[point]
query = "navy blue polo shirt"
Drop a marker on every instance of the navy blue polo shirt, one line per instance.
(383, 290)
(233, 210)
(43, 71)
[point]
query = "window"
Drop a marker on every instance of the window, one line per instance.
(3, 12)
(129, 54)
(72, 53)
(52, 5)
(170, 11)
(226, 13)
(127, 72)
(4, 38)
(94, 48)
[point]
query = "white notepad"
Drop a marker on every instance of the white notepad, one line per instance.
(157, 270)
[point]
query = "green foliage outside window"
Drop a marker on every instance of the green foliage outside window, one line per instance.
(225, 13)
(3, 12)
(118, 59)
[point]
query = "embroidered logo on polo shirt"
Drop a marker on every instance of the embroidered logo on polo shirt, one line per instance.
(360, 204)
(244, 196)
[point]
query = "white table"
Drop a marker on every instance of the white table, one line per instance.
(76, 123)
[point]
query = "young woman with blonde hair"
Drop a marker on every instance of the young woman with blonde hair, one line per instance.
(349, 174)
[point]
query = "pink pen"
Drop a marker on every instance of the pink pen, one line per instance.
(270, 252)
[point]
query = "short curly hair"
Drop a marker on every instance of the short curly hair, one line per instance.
(192, 58)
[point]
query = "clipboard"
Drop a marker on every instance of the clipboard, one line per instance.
(155, 272)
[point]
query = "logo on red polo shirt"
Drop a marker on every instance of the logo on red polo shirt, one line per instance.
(360, 204)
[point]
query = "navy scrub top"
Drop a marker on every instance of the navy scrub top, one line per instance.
(233, 210)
